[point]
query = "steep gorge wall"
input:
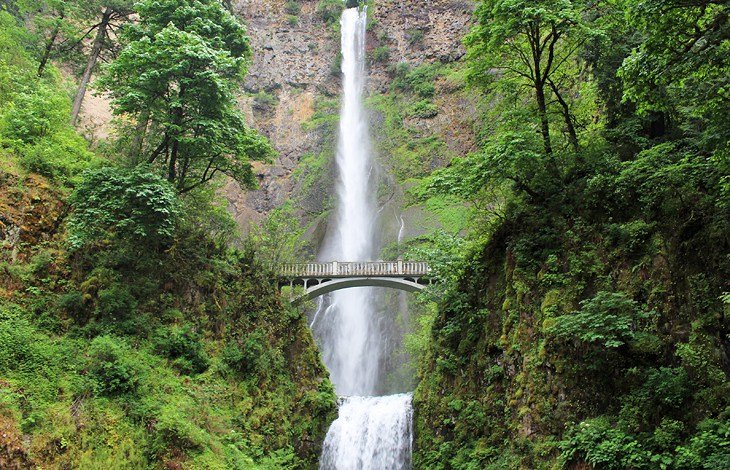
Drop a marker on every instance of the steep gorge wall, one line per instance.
(293, 86)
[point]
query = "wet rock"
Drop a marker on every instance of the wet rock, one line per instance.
(298, 63)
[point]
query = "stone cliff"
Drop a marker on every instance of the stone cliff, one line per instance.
(293, 84)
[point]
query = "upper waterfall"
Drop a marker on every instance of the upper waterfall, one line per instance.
(347, 327)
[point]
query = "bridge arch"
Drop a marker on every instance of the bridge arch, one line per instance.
(330, 285)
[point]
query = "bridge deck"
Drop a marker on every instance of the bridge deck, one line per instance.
(354, 269)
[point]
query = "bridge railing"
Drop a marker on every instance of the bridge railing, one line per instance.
(358, 268)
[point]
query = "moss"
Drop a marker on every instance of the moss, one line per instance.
(526, 284)
(137, 352)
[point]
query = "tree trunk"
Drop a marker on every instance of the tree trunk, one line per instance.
(172, 168)
(91, 63)
(542, 112)
(572, 136)
(171, 171)
(139, 133)
(48, 49)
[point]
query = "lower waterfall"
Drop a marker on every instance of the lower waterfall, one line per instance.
(371, 433)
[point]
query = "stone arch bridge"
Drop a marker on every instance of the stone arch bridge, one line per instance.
(321, 278)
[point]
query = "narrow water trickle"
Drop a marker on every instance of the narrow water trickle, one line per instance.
(371, 432)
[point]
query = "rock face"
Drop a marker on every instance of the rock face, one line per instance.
(31, 211)
(296, 67)
(418, 32)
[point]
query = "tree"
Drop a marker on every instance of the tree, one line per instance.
(113, 14)
(279, 237)
(53, 21)
(530, 42)
(175, 77)
(681, 68)
(62, 27)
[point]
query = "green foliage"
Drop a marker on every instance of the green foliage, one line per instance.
(113, 367)
(330, 11)
(380, 55)
(415, 36)
(603, 445)
(336, 65)
(34, 112)
(131, 205)
(279, 238)
(249, 356)
(292, 7)
(681, 66)
(609, 319)
(152, 387)
(195, 53)
(114, 356)
(596, 284)
(34, 124)
(423, 109)
(174, 429)
(418, 80)
(530, 44)
(410, 154)
(265, 102)
(115, 302)
(183, 345)
(35, 116)
(15, 61)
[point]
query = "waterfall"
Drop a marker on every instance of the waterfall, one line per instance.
(371, 432)
(347, 329)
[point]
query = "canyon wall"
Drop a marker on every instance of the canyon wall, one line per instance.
(291, 94)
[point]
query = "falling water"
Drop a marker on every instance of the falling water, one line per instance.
(347, 329)
(371, 433)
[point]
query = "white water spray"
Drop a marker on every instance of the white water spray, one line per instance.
(371, 433)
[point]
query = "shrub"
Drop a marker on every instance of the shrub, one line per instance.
(604, 446)
(173, 427)
(336, 66)
(35, 125)
(16, 65)
(184, 346)
(292, 7)
(415, 36)
(34, 115)
(112, 366)
(265, 102)
(709, 448)
(608, 319)
(72, 303)
(249, 355)
(115, 302)
(19, 341)
(132, 205)
(62, 157)
(380, 54)
(330, 10)
(418, 81)
(423, 109)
